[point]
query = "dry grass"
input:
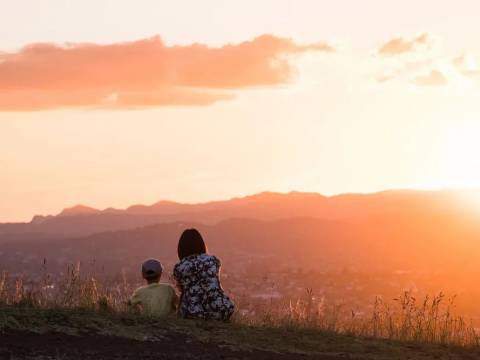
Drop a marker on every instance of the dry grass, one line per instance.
(430, 320)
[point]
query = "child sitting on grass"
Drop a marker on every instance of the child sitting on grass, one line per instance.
(154, 299)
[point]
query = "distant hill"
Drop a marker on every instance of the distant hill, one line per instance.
(82, 220)
(417, 241)
(79, 210)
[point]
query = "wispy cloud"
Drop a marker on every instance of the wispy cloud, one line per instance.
(398, 46)
(467, 65)
(421, 61)
(141, 73)
(434, 78)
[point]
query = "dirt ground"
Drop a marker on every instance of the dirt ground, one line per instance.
(58, 334)
(15, 344)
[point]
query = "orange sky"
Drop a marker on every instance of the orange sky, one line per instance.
(109, 103)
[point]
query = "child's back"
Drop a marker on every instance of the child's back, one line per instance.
(156, 299)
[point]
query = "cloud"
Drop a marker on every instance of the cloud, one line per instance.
(467, 65)
(419, 62)
(399, 46)
(434, 78)
(142, 73)
(405, 68)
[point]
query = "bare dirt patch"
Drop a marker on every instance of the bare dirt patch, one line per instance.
(17, 344)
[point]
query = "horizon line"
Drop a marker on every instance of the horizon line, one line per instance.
(239, 197)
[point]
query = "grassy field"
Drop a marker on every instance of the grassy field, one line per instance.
(80, 317)
(74, 333)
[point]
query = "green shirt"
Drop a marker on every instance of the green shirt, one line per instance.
(155, 299)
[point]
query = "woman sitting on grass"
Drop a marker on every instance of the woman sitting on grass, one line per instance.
(197, 277)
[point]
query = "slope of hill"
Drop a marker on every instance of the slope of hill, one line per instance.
(420, 241)
(82, 334)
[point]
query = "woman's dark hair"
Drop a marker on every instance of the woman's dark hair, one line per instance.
(191, 243)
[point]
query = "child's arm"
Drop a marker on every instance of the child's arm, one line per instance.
(135, 301)
(175, 300)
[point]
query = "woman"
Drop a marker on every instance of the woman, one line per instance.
(197, 277)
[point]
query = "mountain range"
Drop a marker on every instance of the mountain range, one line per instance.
(82, 220)
(425, 231)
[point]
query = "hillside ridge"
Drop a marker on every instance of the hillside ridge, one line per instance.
(87, 334)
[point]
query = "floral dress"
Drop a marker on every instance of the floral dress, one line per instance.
(202, 296)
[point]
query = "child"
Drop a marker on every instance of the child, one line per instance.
(155, 299)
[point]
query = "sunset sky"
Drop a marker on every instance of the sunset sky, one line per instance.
(112, 103)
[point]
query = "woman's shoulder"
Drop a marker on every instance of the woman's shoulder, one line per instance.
(210, 259)
(207, 256)
(180, 266)
(200, 258)
(186, 263)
